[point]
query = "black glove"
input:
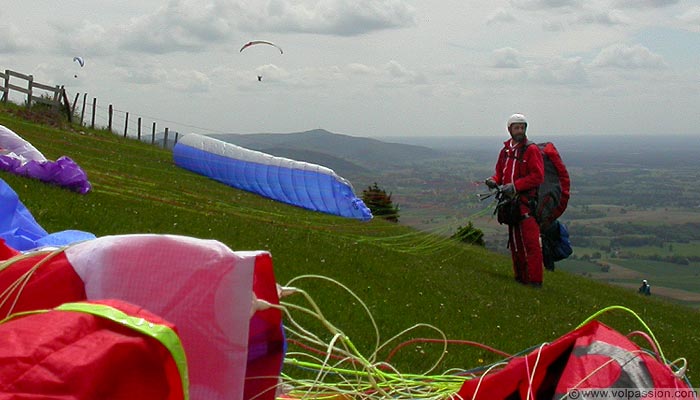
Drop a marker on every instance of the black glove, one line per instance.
(491, 183)
(508, 189)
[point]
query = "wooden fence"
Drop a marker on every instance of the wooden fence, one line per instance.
(35, 92)
(55, 96)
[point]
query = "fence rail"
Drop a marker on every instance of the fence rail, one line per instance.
(50, 95)
(97, 117)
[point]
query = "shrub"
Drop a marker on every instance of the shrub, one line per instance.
(470, 234)
(380, 203)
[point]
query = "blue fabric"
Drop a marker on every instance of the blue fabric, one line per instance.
(20, 230)
(303, 188)
(563, 248)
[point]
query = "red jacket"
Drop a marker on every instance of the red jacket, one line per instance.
(521, 165)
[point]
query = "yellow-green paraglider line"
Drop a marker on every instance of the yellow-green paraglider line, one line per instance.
(364, 377)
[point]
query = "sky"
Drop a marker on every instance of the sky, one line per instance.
(371, 68)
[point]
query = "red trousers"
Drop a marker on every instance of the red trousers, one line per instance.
(526, 251)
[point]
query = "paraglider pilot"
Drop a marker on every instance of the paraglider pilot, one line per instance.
(645, 289)
(519, 172)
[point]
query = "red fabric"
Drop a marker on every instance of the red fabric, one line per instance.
(564, 179)
(51, 285)
(266, 338)
(526, 251)
(6, 252)
(558, 367)
(71, 355)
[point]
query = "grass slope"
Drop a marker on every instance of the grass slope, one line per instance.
(404, 276)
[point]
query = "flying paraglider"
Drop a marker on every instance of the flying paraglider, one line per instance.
(80, 61)
(254, 42)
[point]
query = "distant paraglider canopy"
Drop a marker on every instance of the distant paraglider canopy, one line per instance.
(80, 61)
(254, 42)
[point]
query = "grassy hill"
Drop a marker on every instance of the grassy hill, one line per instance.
(405, 277)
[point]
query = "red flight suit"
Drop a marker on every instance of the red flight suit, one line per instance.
(523, 166)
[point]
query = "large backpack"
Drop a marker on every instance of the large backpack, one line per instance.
(552, 199)
(553, 194)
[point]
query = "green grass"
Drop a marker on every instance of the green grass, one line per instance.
(404, 276)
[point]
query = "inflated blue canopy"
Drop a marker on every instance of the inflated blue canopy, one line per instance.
(298, 183)
(20, 230)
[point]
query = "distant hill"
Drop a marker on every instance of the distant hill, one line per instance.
(339, 152)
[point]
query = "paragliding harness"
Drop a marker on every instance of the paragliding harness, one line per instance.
(508, 208)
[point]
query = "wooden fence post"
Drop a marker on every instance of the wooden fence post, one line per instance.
(138, 134)
(109, 121)
(29, 90)
(6, 90)
(126, 123)
(153, 134)
(82, 112)
(165, 139)
(94, 105)
(57, 92)
(75, 101)
(69, 112)
(177, 135)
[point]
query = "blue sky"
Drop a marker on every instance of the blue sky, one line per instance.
(372, 67)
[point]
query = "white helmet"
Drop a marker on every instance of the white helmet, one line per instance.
(516, 119)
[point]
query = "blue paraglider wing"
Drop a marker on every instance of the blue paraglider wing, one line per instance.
(302, 184)
(80, 61)
(19, 229)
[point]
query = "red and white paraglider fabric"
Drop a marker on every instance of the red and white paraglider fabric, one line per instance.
(91, 350)
(594, 356)
(217, 299)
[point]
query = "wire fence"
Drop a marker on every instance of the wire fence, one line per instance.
(95, 115)
(89, 112)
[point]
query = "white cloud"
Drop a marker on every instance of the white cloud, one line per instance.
(506, 57)
(329, 17)
(86, 38)
(646, 3)
(188, 25)
(692, 19)
(602, 17)
(500, 15)
(628, 57)
(560, 71)
(12, 40)
(553, 26)
(397, 73)
(543, 4)
(188, 80)
(361, 69)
